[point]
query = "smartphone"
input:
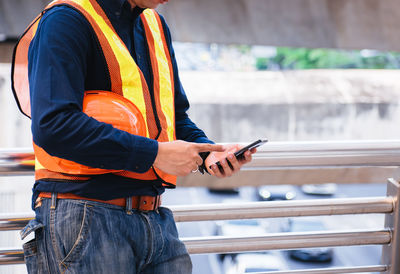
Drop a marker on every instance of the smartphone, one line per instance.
(240, 153)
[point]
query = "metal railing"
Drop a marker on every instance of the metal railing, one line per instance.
(282, 155)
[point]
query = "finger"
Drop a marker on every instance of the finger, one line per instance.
(215, 171)
(210, 170)
(195, 168)
(199, 160)
(253, 150)
(227, 169)
(247, 157)
(209, 147)
(234, 162)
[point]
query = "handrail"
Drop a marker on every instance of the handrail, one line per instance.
(221, 244)
(11, 221)
(11, 256)
(272, 209)
(328, 153)
(271, 155)
(333, 270)
(287, 240)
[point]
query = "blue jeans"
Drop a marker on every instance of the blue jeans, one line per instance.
(79, 236)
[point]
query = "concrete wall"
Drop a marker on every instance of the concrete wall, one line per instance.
(6, 51)
(295, 105)
(281, 106)
(352, 24)
(298, 23)
(17, 14)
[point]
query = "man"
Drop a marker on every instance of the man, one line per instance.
(99, 178)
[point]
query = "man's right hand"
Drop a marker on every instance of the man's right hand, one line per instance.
(181, 158)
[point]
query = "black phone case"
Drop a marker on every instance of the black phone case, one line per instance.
(240, 153)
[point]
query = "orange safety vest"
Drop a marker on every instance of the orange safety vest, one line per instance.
(127, 82)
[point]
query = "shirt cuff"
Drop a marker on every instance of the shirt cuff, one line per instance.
(144, 154)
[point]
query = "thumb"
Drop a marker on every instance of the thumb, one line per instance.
(210, 147)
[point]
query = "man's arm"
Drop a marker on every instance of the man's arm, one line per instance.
(57, 71)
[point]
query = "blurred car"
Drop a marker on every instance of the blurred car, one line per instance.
(223, 190)
(276, 192)
(320, 254)
(319, 189)
(253, 262)
(240, 227)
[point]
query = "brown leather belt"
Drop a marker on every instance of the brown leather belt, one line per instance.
(142, 203)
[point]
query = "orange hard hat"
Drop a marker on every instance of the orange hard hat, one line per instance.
(114, 109)
(107, 107)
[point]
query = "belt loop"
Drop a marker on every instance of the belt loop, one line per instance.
(157, 203)
(53, 200)
(128, 206)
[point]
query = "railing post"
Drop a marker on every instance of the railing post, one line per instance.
(391, 252)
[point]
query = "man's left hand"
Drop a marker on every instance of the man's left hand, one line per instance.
(224, 157)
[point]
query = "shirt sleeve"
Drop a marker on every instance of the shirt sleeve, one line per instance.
(57, 68)
(186, 129)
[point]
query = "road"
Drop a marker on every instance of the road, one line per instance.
(343, 256)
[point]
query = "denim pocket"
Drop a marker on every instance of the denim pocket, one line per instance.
(31, 255)
(69, 230)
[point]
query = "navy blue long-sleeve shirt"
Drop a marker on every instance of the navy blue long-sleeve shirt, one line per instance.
(65, 60)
